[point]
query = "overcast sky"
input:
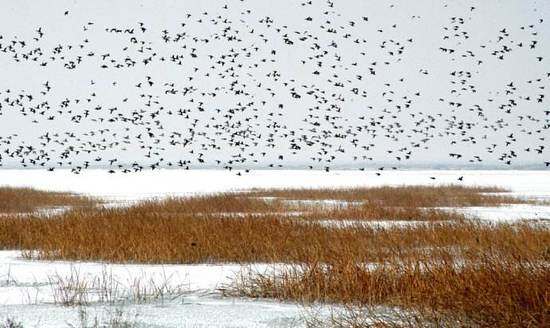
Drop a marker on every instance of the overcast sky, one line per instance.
(442, 82)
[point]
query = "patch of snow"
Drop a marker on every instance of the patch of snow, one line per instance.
(322, 202)
(190, 312)
(512, 212)
(368, 223)
(27, 294)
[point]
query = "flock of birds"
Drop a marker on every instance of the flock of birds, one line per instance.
(236, 90)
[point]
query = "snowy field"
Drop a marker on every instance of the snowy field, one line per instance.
(191, 300)
(533, 184)
(189, 295)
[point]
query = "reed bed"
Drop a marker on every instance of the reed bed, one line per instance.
(120, 235)
(369, 211)
(387, 203)
(445, 270)
(379, 203)
(402, 196)
(245, 203)
(235, 206)
(225, 228)
(25, 200)
(475, 283)
(490, 293)
(213, 203)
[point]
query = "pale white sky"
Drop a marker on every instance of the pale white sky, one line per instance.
(395, 109)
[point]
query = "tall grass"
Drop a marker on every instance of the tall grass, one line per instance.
(491, 292)
(120, 235)
(208, 204)
(404, 196)
(504, 283)
(24, 200)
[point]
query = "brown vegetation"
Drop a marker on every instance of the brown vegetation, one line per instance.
(241, 205)
(491, 293)
(465, 271)
(379, 203)
(225, 227)
(122, 235)
(403, 196)
(388, 203)
(370, 211)
(25, 200)
(208, 204)
(496, 277)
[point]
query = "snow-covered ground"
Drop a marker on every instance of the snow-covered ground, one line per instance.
(29, 292)
(158, 183)
(510, 212)
(28, 288)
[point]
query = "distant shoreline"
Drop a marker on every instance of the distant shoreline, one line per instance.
(387, 167)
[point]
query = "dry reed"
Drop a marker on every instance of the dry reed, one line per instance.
(476, 282)
(25, 200)
(120, 235)
(404, 196)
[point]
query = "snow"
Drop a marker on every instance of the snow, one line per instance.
(323, 202)
(370, 223)
(27, 294)
(193, 312)
(164, 182)
(510, 212)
